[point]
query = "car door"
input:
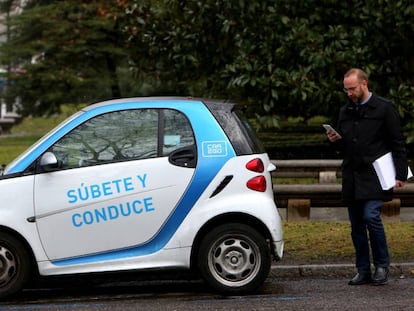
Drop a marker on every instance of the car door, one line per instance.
(119, 177)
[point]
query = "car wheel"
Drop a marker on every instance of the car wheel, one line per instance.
(14, 265)
(234, 259)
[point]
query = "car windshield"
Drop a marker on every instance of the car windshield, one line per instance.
(28, 151)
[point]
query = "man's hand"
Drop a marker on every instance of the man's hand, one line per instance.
(332, 136)
(399, 183)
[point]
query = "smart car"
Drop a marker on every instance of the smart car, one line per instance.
(142, 183)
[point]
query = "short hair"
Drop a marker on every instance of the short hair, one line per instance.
(362, 75)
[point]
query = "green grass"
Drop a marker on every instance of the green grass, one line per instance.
(11, 147)
(29, 130)
(315, 242)
(36, 126)
(24, 135)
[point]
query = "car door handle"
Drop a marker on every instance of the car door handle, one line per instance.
(185, 157)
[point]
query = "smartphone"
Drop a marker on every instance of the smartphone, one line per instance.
(330, 128)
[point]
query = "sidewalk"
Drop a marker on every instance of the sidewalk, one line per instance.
(400, 270)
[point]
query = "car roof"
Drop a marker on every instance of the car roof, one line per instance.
(212, 104)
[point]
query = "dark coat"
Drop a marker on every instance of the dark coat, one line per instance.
(368, 134)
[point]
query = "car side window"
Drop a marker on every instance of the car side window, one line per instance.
(177, 131)
(111, 137)
(122, 136)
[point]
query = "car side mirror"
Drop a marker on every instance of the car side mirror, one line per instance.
(48, 161)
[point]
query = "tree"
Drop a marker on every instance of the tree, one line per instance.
(8, 8)
(172, 46)
(280, 57)
(70, 52)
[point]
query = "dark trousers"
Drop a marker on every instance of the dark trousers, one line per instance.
(365, 218)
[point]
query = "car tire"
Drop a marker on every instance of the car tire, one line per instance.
(234, 259)
(14, 265)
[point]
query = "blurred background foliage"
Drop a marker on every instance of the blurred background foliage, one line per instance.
(280, 58)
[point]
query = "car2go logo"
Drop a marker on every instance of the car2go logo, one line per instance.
(142, 183)
(214, 149)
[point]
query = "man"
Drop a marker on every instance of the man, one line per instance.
(368, 127)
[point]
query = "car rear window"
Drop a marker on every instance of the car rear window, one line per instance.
(237, 128)
(257, 146)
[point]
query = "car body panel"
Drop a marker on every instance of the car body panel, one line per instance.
(130, 199)
(131, 214)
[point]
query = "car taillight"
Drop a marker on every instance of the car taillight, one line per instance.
(255, 165)
(257, 183)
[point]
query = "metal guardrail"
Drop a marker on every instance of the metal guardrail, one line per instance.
(307, 168)
(298, 199)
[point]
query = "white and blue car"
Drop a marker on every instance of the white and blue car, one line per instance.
(142, 183)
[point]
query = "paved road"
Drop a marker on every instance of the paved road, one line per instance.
(309, 292)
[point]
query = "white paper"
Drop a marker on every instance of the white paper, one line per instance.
(385, 169)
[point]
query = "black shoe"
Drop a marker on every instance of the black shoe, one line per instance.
(360, 278)
(380, 276)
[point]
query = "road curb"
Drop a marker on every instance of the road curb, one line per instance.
(400, 270)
